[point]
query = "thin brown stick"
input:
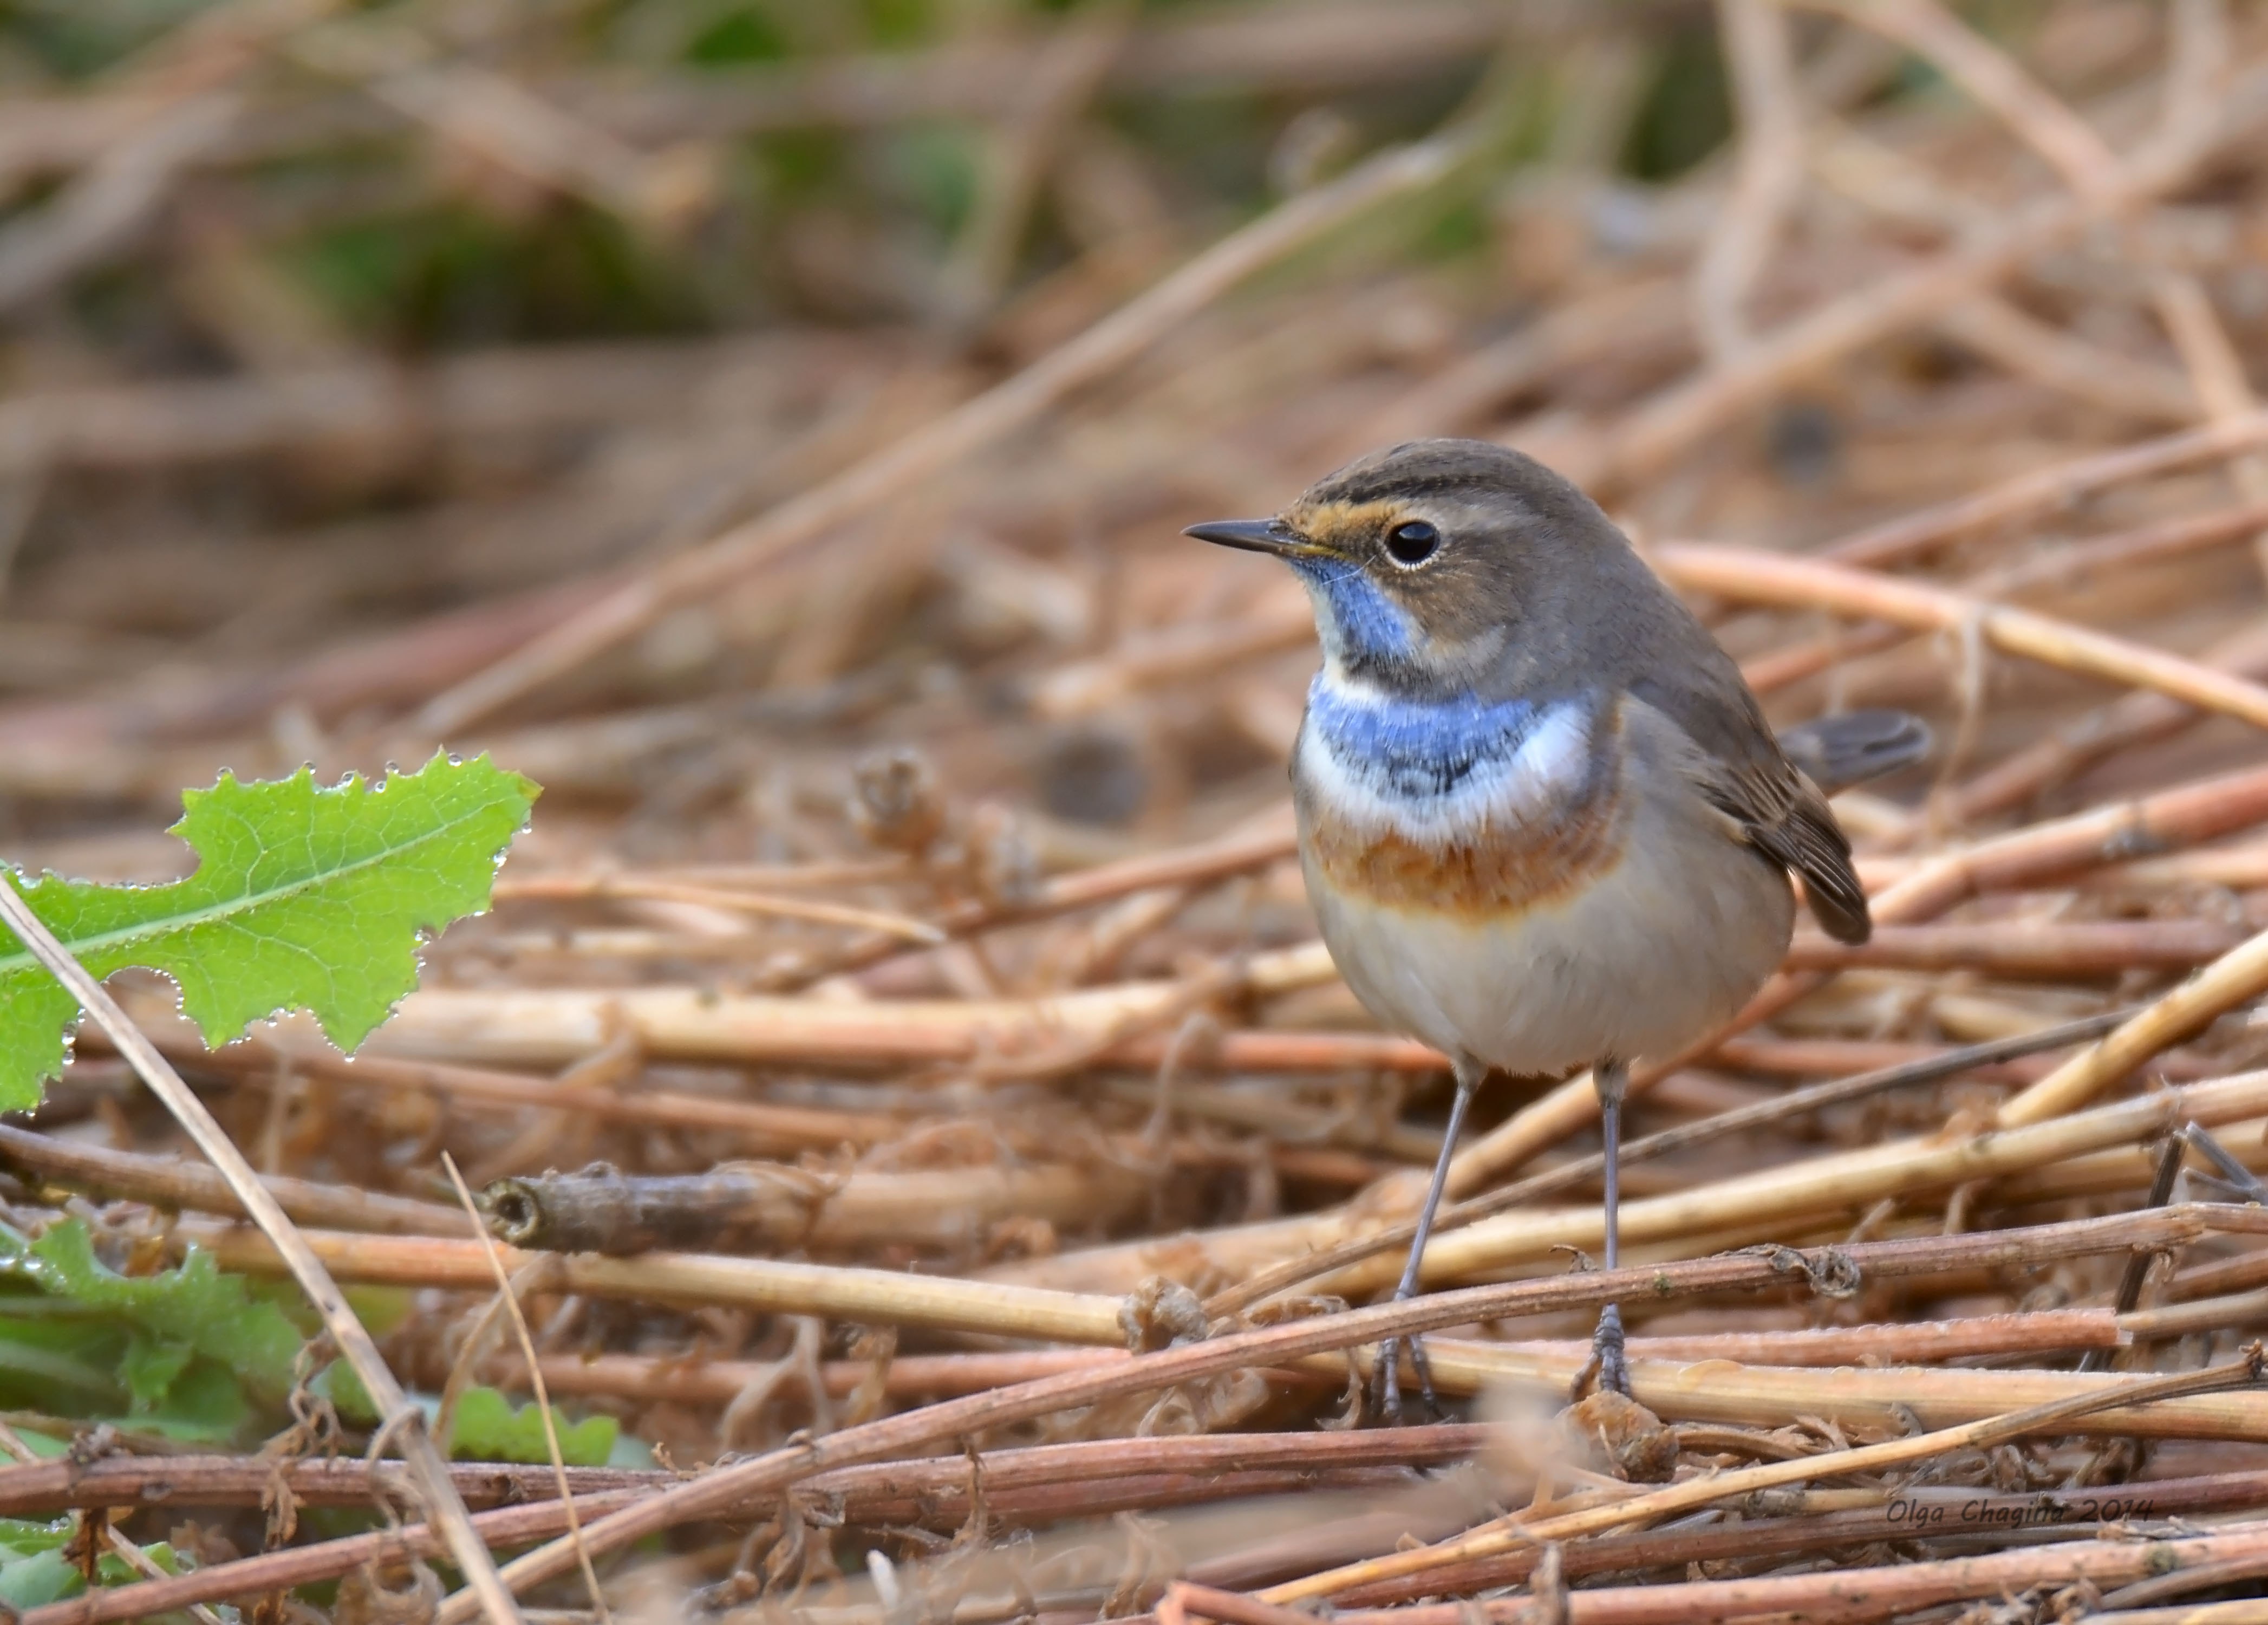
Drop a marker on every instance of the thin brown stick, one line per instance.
(2063, 567)
(774, 1286)
(1846, 1596)
(113, 1536)
(1916, 1513)
(510, 1298)
(1767, 175)
(2239, 975)
(1254, 1288)
(883, 1492)
(1521, 1529)
(581, 888)
(1757, 577)
(166, 1182)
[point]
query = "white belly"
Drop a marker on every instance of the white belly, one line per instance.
(1651, 955)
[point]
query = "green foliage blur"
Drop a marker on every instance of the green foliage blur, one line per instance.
(402, 246)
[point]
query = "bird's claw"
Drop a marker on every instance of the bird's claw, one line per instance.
(1386, 1384)
(1609, 1358)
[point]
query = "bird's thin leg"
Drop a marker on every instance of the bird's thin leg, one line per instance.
(1469, 1076)
(1612, 1079)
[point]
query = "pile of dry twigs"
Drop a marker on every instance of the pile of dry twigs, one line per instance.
(999, 1186)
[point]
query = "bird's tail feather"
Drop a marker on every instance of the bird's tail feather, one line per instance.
(1837, 752)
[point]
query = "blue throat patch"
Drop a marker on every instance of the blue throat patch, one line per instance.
(1372, 625)
(1419, 749)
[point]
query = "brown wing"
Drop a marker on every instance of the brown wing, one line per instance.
(1747, 777)
(1785, 817)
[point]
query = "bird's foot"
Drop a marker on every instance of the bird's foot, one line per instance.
(1386, 1382)
(1609, 1361)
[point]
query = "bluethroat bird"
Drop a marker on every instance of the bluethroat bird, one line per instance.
(1543, 821)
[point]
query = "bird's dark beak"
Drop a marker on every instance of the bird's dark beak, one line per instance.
(1254, 536)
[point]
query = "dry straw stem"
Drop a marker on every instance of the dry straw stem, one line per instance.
(113, 1536)
(1750, 576)
(486, 113)
(590, 888)
(782, 1130)
(485, 1590)
(521, 1027)
(1342, 46)
(2049, 355)
(1767, 178)
(167, 1182)
(1816, 1187)
(1837, 1182)
(969, 429)
(1822, 1520)
(698, 1381)
(770, 1286)
(1904, 1072)
(1201, 864)
(718, 1382)
(1523, 1529)
(102, 210)
(1847, 1596)
(2130, 720)
(2064, 567)
(1863, 1399)
(2025, 949)
(2236, 978)
(752, 1481)
(1173, 653)
(1907, 1342)
(867, 1203)
(239, 1480)
(773, 1206)
(894, 1492)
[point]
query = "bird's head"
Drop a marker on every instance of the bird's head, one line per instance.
(1434, 560)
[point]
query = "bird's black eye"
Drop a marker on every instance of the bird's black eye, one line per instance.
(1412, 544)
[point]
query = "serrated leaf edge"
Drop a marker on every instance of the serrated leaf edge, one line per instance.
(82, 947)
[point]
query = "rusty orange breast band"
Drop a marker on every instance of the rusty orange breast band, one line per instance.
(1487, 871)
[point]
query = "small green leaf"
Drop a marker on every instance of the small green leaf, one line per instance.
(488, 1427)
(304, 896)
(34, 1571)
(194, 1306)
(152, 1366)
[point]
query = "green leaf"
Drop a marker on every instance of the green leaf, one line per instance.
(34, 1571)
(194, 1307)
(150, 1368)
(488, 1427)
(305, 897)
